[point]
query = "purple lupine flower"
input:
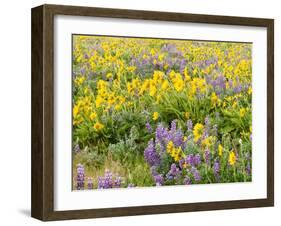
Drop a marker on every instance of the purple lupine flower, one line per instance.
(80, 178)
(151, 155)
(187, 180)
(216, 169)
(189, 125)
(117, 182)
(207, 156)
(153, 170)
(148, 127)
(196, 160)
(178, 138)
(238, 88)
(181, 163)
(109, 181)
(182, 65)
(82, 71)
(193, 160)
(161, 133)
(174, 172)
(158, 179)
(173, 126)
(131, 185)
(90, 183)
(106, 181)
(189, 159)
(196, 174)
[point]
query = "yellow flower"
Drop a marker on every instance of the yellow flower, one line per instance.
(165, 85)
(214, 99)
(220, 150)
(158, 76)
(98, 126)
(155, 116)
(207, 142)
(250, 91)
(75, 110)
(166, 66)
(232, 158)
(170, 147)
(117, 107)
(79, 80)
(187, 115)
(99, 101)
(179, 85)
(109, 75)
(186, 75)
(242, 112)
(152, 90)
(152, 52)
(131, 69)
(161, 57)
(93, 115)
(198, 131)
(234, 104)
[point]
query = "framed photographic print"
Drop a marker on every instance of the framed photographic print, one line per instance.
(141, 112)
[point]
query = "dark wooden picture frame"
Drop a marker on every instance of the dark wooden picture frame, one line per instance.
(42, 203)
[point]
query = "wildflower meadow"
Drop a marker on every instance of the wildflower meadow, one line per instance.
(157, 112)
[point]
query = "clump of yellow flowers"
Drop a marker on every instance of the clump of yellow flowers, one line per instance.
(232, 158)
(98, 126)
(175, 152)
(155, 116)
(198, 131)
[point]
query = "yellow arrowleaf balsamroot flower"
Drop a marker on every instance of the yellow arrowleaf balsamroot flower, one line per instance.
(186, 75)
(93, 115)
(220, 150)
(165, 85)
(99, 101)
(155, 116)
(232, 158)
(207, 142)
(98, 126)
(187, 115)
(179, 85)
(198, 131)
(170, 147)
(109, 75)
(75, 110)
(176, 153)
(242, 112)
(79, 80)
(214, 99)
(152, 91)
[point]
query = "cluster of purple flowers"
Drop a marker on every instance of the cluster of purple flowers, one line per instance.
(80, 178)
(109, 181)
(156, 153)
(219, 84)
(217, 170)
(174, 59)
(151, 155)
